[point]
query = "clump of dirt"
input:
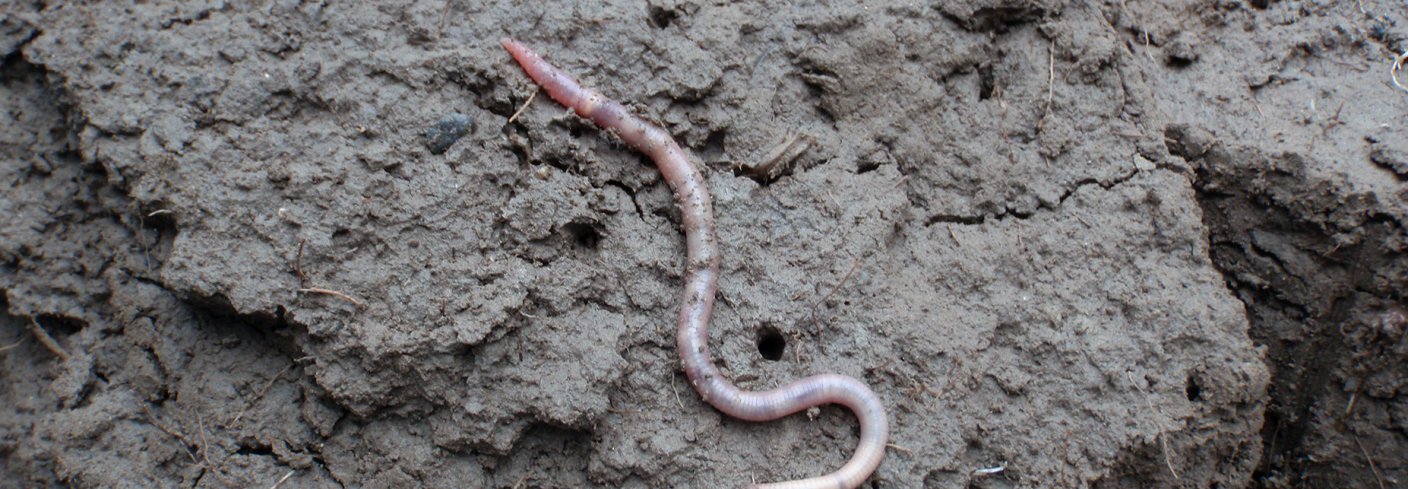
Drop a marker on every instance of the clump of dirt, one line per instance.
(1050, 235)
(1293, 125)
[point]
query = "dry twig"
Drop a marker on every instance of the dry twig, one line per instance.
(334, 293)
(515, 115)
(46, 340)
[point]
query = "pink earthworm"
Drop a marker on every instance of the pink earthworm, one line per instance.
(701, 281)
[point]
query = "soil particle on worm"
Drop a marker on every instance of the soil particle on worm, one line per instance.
(1128, 244)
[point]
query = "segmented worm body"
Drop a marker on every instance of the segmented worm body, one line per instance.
(701, 281)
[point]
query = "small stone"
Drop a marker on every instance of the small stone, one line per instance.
(446, 131)
(1143, 164)
(1387, 156)
(1182, 50)
(1187, 141)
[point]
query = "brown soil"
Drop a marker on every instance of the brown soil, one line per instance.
(1116, 244)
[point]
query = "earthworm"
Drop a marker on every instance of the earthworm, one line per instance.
(701, 281)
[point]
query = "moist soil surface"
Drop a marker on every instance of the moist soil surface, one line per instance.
(1069, 244)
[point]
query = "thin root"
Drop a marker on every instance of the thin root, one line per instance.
(515, 115)
(1372, 468)
(1163, 440)
(997, 469)
(1257, 107)
(259, 395)
(46, 340)
(204, 444)
(298, 263)
(1393, 73)
(440, 27)
(817, 324)
(282, 479)
(677, 392)
(303, 279)
(185, 443)
(334, 293)
(1050, 84)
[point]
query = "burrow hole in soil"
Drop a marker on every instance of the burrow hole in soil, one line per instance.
(771, 343)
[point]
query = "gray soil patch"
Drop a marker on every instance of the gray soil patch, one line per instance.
(1126, 244)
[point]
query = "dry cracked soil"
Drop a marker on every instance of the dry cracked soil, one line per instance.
(1107, 244)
